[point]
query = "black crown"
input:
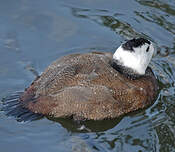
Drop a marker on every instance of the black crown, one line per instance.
(129, 45)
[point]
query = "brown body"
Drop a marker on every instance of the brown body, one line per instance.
(86, 86)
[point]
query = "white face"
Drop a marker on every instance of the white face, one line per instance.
(137, 60)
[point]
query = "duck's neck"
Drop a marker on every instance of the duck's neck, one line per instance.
(127, 72)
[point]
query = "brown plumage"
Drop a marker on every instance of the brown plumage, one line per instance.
(86, 86)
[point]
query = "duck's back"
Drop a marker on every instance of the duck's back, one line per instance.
(73, 70)
(87, 86)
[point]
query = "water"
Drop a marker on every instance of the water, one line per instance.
(34, 33)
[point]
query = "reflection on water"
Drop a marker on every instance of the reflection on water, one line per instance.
(34, 33)
(87, 126)
(110, 21)
(161, 17)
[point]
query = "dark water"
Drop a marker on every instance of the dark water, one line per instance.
(33, 33)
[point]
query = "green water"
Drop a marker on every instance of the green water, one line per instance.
(33, 33)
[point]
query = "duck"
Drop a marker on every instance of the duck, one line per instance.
(90, 86)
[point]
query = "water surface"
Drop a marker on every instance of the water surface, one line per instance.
(34, 33)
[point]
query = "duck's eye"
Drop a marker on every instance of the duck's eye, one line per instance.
(147, 50)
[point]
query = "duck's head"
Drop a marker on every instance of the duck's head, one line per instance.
(135, 54)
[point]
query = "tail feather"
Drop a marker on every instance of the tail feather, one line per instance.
(13, 107)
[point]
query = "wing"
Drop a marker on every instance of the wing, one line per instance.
(94, 102)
